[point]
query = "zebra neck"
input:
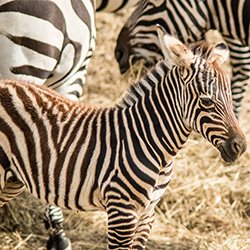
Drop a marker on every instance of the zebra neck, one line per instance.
(153, 108)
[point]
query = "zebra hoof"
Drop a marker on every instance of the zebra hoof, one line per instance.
(58, 242)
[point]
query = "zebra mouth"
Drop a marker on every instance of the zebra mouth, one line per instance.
(226, 154)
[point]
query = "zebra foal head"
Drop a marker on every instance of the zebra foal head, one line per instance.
(205, 94)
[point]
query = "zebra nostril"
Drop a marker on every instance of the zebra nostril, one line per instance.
(237, 146)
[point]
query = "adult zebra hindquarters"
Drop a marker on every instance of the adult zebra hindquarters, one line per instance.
(118, 159)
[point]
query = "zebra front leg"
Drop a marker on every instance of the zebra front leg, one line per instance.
(12, 188)
(143, 230)
(122, 223)
(240, 61)
(53, 220)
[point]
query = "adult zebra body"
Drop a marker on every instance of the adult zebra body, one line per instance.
(114, 5)
(117, 159)
(189, 20)
(48, 42)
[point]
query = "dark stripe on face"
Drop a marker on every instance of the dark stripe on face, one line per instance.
(46, 10)
(208, 120)
(31, 71)
(40, 47)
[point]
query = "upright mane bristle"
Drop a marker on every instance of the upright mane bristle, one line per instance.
(201, 48)
(138, 88)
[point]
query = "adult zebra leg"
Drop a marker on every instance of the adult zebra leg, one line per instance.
(143, 230)
(12, 188)
(53, 220)
(240, 60)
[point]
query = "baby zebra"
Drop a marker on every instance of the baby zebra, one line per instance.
(117, 159)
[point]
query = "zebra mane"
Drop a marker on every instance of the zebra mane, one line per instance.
(204, 49)
(201, 48)
(147, 83)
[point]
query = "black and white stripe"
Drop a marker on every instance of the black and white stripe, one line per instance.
(47, 42)
(114, 5)
(117, 159)
(189, 20)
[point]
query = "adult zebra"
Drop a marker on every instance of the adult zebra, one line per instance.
(120, 157)
(189, 20)
(48, 42)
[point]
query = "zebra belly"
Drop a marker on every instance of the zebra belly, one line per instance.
(68, 200)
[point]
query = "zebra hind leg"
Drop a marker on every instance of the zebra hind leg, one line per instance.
(53, 220)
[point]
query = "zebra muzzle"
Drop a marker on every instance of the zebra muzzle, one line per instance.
(233, 148)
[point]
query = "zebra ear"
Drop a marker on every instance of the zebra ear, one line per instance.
(220, 53)
(174, 51)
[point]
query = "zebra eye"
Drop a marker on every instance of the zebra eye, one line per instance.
(206, 102)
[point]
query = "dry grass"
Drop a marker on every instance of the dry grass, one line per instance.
(207, 205)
